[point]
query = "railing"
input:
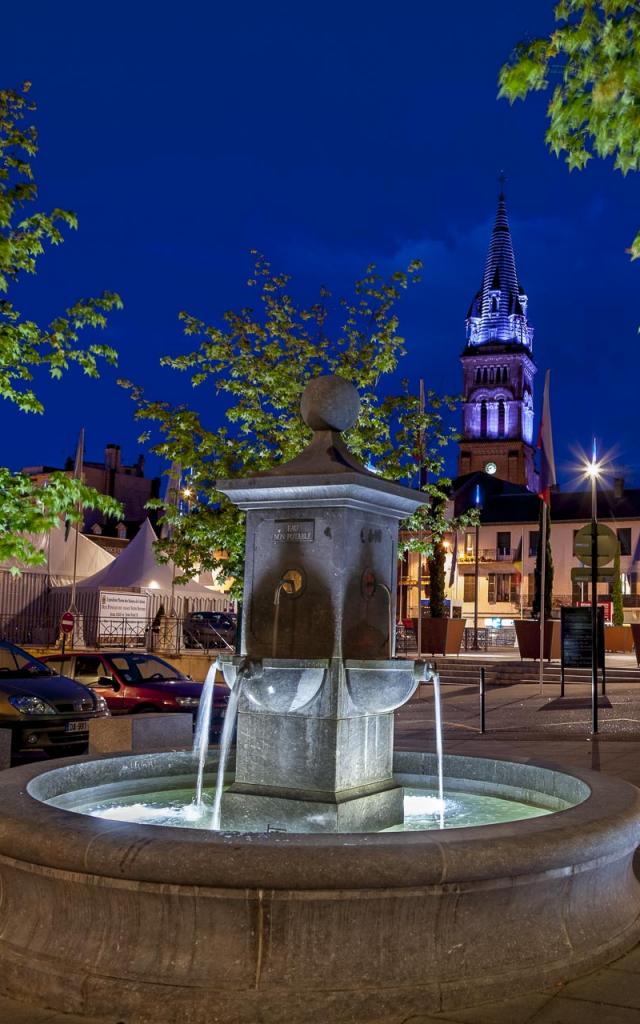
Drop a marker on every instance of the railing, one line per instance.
(487, 555)
(167, 634)
(488, 638)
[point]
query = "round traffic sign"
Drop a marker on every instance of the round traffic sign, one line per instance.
(607, 544)
(67, 622)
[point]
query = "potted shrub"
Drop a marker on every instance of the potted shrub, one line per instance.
(440, 634)
(617, 637)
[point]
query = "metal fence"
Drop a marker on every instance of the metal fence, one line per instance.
(168, 634)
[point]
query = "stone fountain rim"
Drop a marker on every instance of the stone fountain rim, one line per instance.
(602, 825)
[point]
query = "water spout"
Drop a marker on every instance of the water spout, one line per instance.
(392, 632)
(203, 728)
(225, 744)
(291, 583)
(432, 675)
(245, 670)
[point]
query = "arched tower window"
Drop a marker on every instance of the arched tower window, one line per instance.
(505, 374)
(491, 375)
(494, 304)
(478, 375)
(483, 419)
(501, 418)
(484, 376)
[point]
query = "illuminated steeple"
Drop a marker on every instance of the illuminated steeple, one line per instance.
(498, 312)
(497, 425)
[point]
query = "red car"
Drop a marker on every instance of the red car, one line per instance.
(137, 682)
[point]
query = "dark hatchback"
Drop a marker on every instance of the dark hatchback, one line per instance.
(135, 682)
(44, 711)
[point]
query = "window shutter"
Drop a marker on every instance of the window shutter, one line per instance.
(492, 588)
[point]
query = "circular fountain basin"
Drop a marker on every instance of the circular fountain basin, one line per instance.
(173, 925)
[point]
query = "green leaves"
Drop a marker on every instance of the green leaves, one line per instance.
(27, 347)
(255, 365)
(29, 508)
(593, 59)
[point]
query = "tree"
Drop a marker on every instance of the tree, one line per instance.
(27, 347)
(256, 364)
(437, 581)
(548, 572)
(616, 592)
(593, 56)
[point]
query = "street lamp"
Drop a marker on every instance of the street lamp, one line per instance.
(476, 576)
(593, 471)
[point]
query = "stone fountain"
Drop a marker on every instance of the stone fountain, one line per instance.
(319, 681)
(299, 909)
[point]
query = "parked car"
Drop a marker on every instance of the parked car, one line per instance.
(132, 681)
(209, 629)
(44, 710)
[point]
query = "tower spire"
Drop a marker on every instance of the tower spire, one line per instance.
(497, 429)
(498, 312)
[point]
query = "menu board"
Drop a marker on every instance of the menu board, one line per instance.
(575, 631)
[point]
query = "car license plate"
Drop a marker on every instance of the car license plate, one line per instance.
(76, 727)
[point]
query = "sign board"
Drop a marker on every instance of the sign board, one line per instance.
(583, 575)
(67, 622)
(575, 634)
(607, 544)
(123, 617)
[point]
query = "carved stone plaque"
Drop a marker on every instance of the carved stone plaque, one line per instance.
(294, 531)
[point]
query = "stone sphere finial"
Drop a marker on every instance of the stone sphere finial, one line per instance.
(330, 403)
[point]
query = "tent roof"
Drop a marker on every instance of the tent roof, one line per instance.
(137, 566)
(60, 555)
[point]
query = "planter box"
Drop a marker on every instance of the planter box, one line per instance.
(442, 636)
(528, 634)
(618, 638)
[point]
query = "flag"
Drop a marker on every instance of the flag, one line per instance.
(545, 444)
(454, 561)
(78, 469)
(518, 561)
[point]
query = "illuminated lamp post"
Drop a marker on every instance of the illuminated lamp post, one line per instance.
(593, 471)
(476, 575)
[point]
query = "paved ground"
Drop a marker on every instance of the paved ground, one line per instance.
(524, 725)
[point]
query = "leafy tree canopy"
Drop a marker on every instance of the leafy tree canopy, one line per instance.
(255, 366)
(25, 346)
(593, 60)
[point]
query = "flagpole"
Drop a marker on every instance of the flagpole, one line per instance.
(78, 475)
(543, 572)
(522, 576)
(546, 483)
(420, 485)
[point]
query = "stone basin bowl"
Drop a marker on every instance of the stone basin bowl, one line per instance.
(180, 926)
(285, 685)
(375, 687)
(277, 684)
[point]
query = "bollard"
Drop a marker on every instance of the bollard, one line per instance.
(482, 699)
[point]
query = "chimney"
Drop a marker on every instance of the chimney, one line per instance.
(618, 487)
(112, 457)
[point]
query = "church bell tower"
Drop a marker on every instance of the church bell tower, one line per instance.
(498, 369)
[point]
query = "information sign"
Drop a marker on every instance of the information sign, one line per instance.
(575, 633)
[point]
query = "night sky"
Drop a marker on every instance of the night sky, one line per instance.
(327, 136)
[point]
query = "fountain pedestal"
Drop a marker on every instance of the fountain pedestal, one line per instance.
(315, 721)
(315, 744)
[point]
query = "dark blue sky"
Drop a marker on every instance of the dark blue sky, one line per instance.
(327, 136)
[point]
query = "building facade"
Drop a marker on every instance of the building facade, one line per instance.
(126, 483)
(498, 370)
(507, 545)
